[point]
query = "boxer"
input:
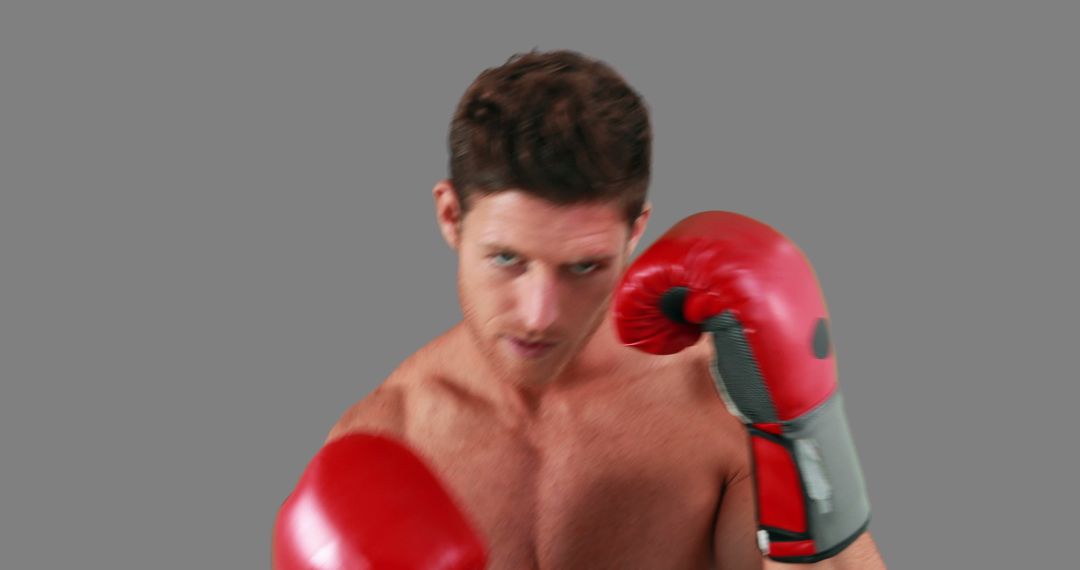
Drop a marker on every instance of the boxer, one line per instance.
(574, 417)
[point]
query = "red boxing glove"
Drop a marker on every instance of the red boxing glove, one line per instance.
(755, 291)
(366, 502)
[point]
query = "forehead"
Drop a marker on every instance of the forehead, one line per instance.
(518, 220)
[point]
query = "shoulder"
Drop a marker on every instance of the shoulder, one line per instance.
(389, 407)
(685, 379)
(381, 411)
(385, 409)
(730, 435)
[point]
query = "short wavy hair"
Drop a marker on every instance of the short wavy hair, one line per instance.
(557, 125)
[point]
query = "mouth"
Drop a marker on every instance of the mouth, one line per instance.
(529, 349)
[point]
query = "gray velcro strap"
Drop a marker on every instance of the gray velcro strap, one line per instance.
(832, 477)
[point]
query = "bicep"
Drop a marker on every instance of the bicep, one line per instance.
(735, 534)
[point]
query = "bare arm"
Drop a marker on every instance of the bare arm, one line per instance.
(735, 542)
(735, 533)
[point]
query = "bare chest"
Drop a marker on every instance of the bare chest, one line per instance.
(615, 484)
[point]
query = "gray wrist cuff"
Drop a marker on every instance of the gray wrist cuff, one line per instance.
(837, 505)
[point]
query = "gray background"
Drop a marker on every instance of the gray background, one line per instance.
(216, 233)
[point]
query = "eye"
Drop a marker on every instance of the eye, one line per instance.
(584, 268)
(503, 259)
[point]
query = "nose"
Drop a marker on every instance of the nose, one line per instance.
(538, 301)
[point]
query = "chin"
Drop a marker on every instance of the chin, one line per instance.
(529, 373)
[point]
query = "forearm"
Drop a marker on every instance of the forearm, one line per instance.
(860, 555)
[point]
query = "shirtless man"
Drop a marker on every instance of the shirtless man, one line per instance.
(529, 435)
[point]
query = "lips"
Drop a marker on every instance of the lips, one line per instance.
(529, 349)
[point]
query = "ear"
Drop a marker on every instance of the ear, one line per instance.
(638, 229)
(447, 212)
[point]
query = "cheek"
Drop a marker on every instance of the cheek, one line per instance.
(485, 296)
(585, 299)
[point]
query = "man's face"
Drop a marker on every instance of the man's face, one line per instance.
(535, 279)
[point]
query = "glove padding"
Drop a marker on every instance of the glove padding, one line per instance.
(754, 290)
(368, 502)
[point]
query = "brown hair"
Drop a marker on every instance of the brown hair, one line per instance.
(557, 125)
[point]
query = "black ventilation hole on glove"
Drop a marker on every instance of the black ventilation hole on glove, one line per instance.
(671, 303)
(821, 344)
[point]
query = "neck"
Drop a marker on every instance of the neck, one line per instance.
(597, 358)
